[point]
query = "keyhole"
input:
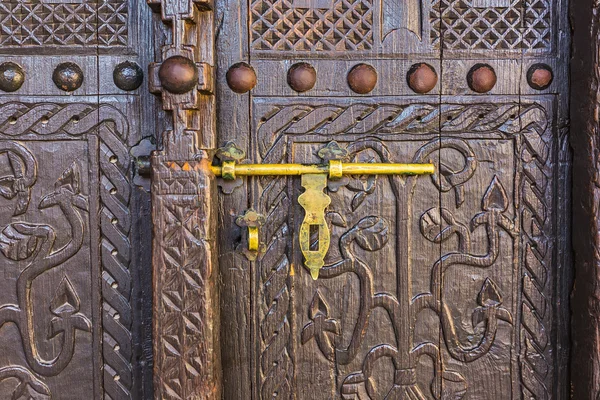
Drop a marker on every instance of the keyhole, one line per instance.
(314, 237)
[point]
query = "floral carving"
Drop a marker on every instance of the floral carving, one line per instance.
(437, 225)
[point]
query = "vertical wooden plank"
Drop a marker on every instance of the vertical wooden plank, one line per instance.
(237, 273)
(186, 303)
(585, 301)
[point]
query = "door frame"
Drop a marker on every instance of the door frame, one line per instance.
(585, 146)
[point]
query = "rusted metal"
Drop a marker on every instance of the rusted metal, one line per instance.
(241, 78)
(421, 78)
(128, 76)
(302, 77)
(178, 74)
(362, 78)
(481, 78)
(12, 77)
(68, 76)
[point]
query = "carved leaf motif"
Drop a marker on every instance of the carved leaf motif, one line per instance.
(25, 392)
(372, 233)
(495, 198)
(433, 221)
(70, 178)
(16, 244)
(65, 302)
(337, 219)
(489, 294)
(318, 306)
(358, 199)
(454, 384)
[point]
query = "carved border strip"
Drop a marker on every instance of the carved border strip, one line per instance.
(534, 196)
(115, 250)
(276, 364)
(537, 238)
(186, 306)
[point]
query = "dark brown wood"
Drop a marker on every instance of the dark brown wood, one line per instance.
(585, 136)
(73, 248)
(453, 286)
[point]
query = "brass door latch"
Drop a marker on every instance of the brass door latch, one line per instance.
(314, 200)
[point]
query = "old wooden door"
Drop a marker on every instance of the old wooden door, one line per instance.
(449, 286)
(74, 215)
(443, 287)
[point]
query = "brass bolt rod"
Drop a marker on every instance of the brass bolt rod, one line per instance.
(346, 169)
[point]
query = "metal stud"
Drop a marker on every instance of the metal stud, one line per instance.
(241, 77)
(302, 77)
(481, 78)
(539, 76)
(178, 74)
(68, 76)
(12, 77)
(128, 76)
(421, 78)
(362, 78)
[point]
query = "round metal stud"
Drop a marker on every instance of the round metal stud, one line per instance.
(481, 78)
(302, 77)
(68, 76)
(241, 77)
(362, 78)
(128, 76)
(539, 76)
(12, 77)
(178, 74)
(421, 78)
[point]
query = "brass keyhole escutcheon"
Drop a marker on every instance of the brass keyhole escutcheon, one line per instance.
(314, 201)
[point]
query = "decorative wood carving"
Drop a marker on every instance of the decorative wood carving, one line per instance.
(526, 126)
(186, 316)
(40, 247)
(75, 23)
(487, 25)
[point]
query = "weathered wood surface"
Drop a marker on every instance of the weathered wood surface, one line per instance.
(454, 286)
(585, 301)
(74, 237)
(450, 287)
(186, 304)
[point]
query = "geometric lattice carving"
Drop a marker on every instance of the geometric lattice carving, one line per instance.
(279, 25)
(516, 26)
(102, 23)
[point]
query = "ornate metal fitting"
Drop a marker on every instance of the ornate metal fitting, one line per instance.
(230, 154)
(333, 151)
(314, 201)
(228, 170)
(314, 233)
(335, 169)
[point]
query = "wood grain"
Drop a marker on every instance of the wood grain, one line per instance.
(186, 304)
(585, 301)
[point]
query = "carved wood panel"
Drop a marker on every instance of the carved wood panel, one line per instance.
(444, 287)
(71, 250)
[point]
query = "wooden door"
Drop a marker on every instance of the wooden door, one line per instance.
(74, 212)
(450, 286)
(443, 287)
